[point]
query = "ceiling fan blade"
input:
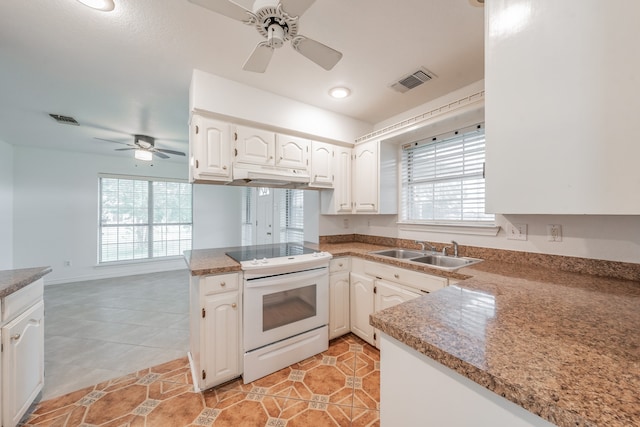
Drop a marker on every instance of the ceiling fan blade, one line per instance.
(296, 7)
(126, 149)
(259, 59)
(162, 150)
(226, 8)
(111, 140)
(162, 156)
(322, 55)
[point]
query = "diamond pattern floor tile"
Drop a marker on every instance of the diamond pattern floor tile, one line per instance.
(339, 387)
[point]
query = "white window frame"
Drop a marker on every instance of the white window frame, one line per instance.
(183, 242)
(483, 225)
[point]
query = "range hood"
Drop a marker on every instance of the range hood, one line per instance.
(269, 176)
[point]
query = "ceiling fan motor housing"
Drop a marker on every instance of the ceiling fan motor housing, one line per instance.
(144, 141)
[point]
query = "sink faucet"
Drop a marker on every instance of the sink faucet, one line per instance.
(425, 243)
(455, 248)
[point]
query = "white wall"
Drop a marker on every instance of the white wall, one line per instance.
(614, 238)
(56, 212)
(236, 100)
(6, 206)
(217, 220)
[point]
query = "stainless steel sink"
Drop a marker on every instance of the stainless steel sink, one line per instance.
(446, 262)
(399, 253)
(432, 259)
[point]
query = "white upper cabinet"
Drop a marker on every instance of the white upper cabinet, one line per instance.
(365, 178)
(209, 150)
(254, 146)
(561, 109)
(342, 192)
(322, 158)
(292, 152)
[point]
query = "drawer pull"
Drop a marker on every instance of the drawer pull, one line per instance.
(234, 305)
(15, 337)
(223, 284)
(397, 276)
(340, 265)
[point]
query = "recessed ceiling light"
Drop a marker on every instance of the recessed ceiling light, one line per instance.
(339, 92)
(103, 5)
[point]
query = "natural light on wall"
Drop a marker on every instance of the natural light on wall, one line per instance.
(511, 20)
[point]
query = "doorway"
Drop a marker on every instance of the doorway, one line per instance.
(272, 215)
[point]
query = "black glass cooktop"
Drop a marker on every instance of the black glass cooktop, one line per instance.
(249, 253)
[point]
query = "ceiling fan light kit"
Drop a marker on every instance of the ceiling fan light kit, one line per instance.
(144, 155)
(144, 148)
(277, 22)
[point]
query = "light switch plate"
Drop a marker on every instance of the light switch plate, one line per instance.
(517, 232)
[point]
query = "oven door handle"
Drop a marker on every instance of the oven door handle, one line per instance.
(286, 279)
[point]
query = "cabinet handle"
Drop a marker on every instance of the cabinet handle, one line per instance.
(223, 284)
(224, 168)
(397, 276)
(340, 265)
(233, 305)
(15, 337)
(197, 164)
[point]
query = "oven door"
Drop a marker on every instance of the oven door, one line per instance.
(281, 306)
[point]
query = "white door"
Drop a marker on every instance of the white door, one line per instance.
(254, 146)
(365, 177)
(361, 300)
(22, 363)
(264, 216)
(339, 323)
(211, 148)
(220, 335)
(322, 164)
(292, 152)
(342, 182)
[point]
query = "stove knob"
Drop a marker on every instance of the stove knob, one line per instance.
(264, 260)
(254, 262)
(315, 254)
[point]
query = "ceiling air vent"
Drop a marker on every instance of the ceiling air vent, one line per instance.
(412, 80)
(65, 120)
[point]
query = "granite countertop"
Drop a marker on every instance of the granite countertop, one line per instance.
(562, 345)
(14, 280)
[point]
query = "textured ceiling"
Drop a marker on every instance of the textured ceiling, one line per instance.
(128, 71)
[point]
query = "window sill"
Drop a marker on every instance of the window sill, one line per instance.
(473, 229)
(138, 261)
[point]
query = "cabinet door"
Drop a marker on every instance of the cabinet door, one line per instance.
(342, 182)
(220, 336)
(361, 302)
(365, 177)
(338, 304)
(387, 295)
(254, 146)
(22, 363)
(292, 152)
(322, 164)
(210, 146)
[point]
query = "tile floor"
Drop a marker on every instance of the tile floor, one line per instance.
(101, 329)
(339, 387)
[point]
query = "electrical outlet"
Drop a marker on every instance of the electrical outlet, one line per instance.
(554, 232)
(345, 223)
(67, 263)
(517, 232)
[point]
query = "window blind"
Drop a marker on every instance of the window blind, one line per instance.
(442, 179)
(292, 217)
(142, 218)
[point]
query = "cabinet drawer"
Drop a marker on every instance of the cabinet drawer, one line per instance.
(218, 283)
(414, 279)
(19, 301)
(340, 264)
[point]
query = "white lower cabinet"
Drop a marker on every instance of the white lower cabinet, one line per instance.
(22, 352)
(215, 323)
(339, 309)
(362, 306)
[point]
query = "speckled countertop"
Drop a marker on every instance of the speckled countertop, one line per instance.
(14, 280)
(564, 346)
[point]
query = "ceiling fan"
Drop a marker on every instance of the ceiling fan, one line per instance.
(145, 144)
(277, 22)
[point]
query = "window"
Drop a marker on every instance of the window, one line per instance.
(442, 179)
(292, 216)
(142, 218)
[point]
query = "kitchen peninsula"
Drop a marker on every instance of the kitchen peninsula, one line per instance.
(560, 344)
